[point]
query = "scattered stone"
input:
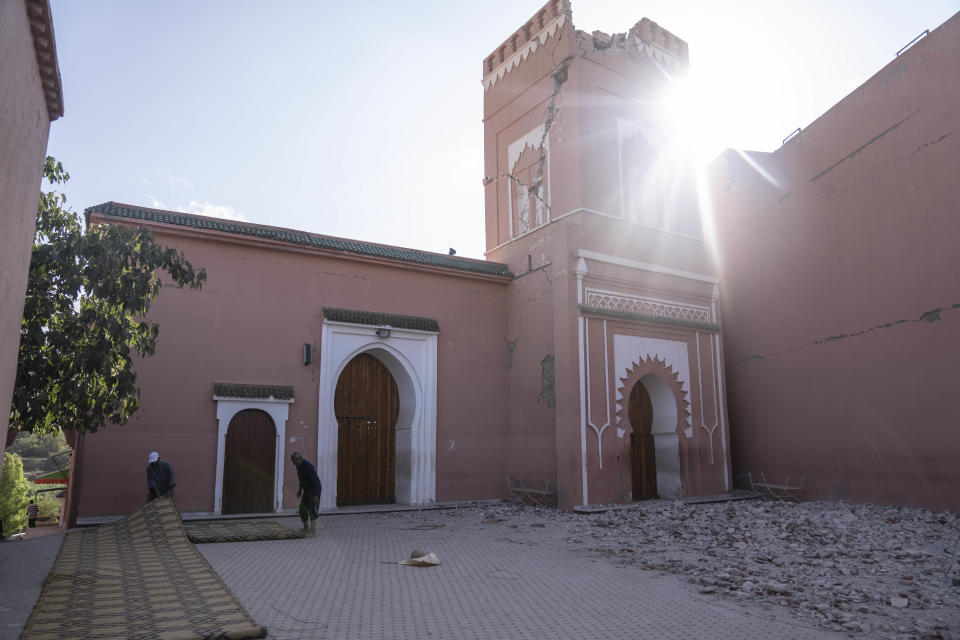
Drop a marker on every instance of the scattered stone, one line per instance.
(863, 570)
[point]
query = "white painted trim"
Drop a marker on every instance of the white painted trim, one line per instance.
(227, 408)
(606, 388)
(373, 328)
(723, 427)
(580, 272)
(411, 358)
(596, 213)
(645, 266)
(551, 221)
(703, 423)
(590, 211)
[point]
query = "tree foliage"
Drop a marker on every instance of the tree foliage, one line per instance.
(87, 294)
(36, 445)
(14, 490)
(47, 505)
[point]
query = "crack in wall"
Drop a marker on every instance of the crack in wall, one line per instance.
(558, 73)
(548, 381)
(512, 345)
(931, 316)
(547, 276)
(925, 145)
(859, 149)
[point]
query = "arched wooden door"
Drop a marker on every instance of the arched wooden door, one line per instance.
(643, 464)
(248, 463)
(367, 405)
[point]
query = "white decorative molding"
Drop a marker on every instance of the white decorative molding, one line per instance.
(538, 140)
(645, 266)
(227, 408)
(710, 430)
(532, 139)
(719, 399)
(581, 270)
(662, 56)
(627, 129)
(598, 429)
(521, 54)
(411, 358)
(626, 303)
(630, 349)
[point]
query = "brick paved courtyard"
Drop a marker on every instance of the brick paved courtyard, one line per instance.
(496, 580)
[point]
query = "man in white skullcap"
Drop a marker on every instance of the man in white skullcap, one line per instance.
(160, 478)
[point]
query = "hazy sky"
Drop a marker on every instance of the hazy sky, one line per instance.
(364, 119)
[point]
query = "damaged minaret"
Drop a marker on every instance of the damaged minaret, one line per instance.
(615, 387)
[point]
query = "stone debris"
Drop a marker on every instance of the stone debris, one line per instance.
(864, 570)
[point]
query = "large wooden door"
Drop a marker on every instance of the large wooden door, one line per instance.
(248, 463)
(643, 464)
(367, 405)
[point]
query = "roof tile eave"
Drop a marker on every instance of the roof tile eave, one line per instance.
(357, 247)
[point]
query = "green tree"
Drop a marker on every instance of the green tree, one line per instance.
(14, 491)
(49, 507)
(35, 445)
(88, 291)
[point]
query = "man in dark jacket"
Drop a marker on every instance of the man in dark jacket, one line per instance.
(308, 491)
(160, 478)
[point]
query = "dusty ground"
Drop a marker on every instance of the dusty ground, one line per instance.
(868, 571)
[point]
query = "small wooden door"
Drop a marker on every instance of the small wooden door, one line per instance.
(248, 463)
(643, 464)
(367, 406)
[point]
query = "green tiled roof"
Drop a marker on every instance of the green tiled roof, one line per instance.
(379, 319)
(233, 390)
(641, 317)
(117, 210)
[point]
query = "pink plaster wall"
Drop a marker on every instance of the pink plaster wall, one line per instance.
(23, 144)
(840, 291)
(248, 325)
(580, 105)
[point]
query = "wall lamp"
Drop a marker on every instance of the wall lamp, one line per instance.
(383, 333)
(307, 353)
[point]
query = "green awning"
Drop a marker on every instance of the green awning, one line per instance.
(60, 476)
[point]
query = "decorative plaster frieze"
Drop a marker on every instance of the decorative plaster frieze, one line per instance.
(647, 306)
(662, 56)
(627, 129)
(533, 139)
(521, 54)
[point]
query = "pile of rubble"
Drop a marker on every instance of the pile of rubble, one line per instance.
(880, 572)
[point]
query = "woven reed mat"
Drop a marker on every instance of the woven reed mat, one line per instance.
(238, 531)
(137, 578)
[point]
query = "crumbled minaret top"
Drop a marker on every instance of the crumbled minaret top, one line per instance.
(646, 35)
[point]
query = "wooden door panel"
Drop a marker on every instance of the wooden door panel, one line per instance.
(367, 405)
(643, 465)
(248, 463)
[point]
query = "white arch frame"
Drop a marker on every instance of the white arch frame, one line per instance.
(666, 436)
(278, 411)
(628, 349)
(411, 358)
